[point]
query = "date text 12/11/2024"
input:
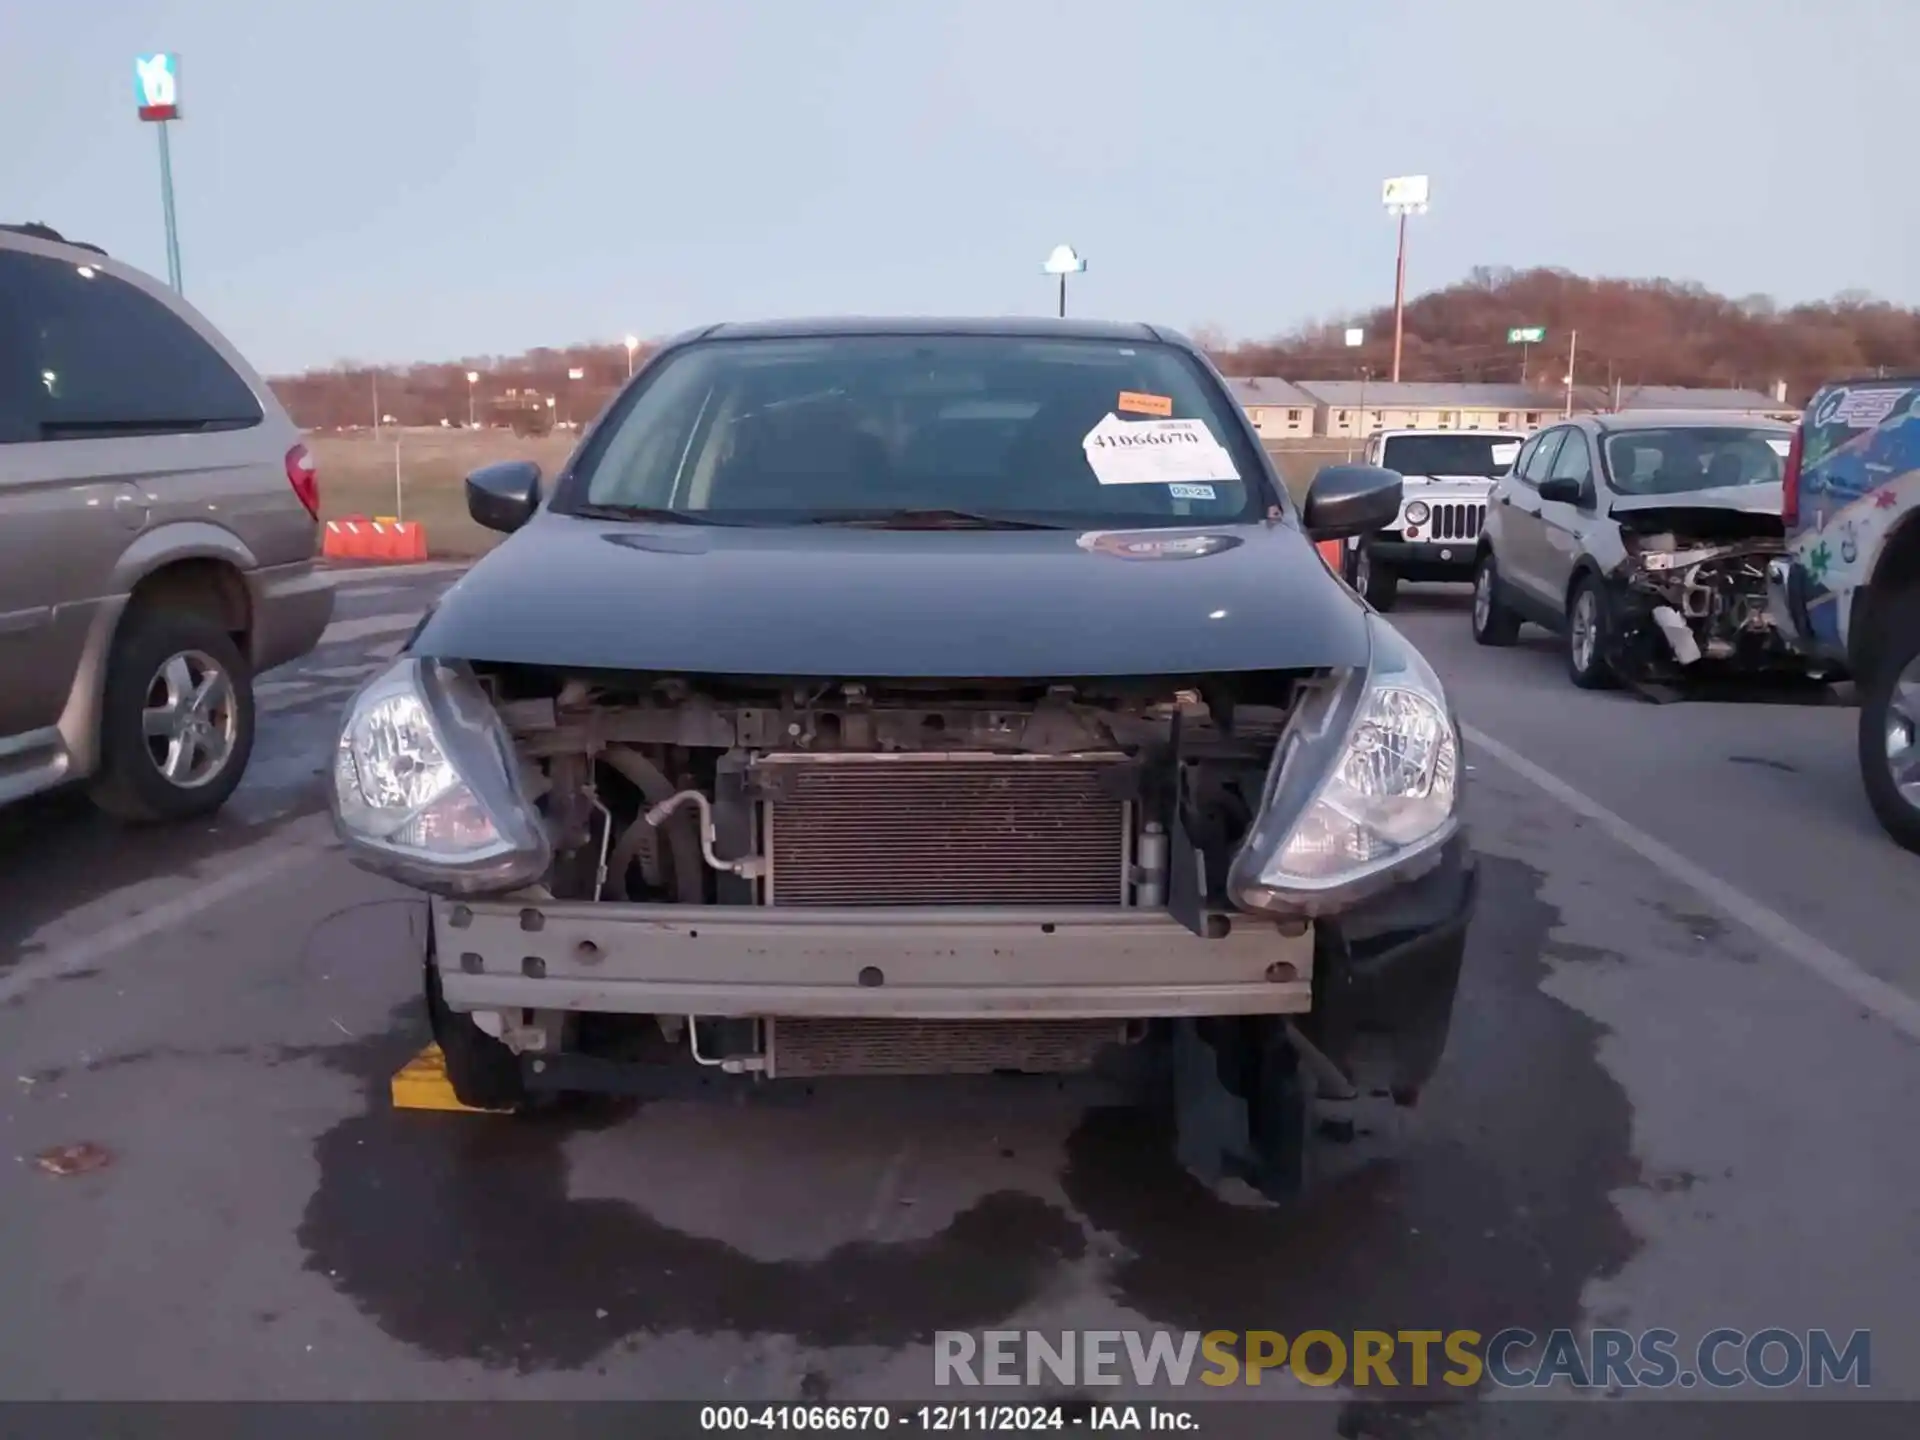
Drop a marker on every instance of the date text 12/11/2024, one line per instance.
(948, 1419)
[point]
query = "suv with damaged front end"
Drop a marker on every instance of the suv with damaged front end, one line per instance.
(888, 698)
(1645, 540)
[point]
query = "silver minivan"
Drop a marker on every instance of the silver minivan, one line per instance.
(158, 535)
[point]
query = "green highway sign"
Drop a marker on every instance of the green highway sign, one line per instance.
(1527, 335)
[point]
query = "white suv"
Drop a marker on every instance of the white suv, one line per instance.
(1449, 474)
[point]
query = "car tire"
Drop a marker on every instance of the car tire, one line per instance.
(1377, 584)
(483, 1073)
(1493, 622)
(1586, 635)
(1243, 1105)
(178, 669)
(1890, 721)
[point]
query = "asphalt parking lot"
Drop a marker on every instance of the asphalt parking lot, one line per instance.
(1677, 1094)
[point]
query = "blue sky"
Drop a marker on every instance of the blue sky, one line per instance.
(426, 179)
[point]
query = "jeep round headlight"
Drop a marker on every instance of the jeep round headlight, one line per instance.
(1417, 513)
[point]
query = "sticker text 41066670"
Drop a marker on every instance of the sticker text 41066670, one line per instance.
(1156, 452)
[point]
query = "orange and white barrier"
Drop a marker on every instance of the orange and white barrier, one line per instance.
(1334, 552)
(355, 537)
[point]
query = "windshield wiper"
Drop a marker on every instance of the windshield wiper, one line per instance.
(931, 519)
(605, 511)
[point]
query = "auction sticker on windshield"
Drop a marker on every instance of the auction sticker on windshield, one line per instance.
(1156, 452)
(1137, 403)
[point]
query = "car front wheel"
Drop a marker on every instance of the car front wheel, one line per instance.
(176, 725)
(1890, 726)
(483, 1073)
(1379, 585)
(1586, 636)
(1493, 622)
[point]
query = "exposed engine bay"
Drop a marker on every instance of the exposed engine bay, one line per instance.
(1131, 795)
(1692, 594)
(674, 789)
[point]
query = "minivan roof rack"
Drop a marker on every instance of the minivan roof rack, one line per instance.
(33, 229)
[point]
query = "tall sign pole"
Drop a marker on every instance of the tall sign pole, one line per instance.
(1403, 195)
(1526, 337)
(156, 91)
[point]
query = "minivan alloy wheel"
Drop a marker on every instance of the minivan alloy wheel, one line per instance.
(191, 720)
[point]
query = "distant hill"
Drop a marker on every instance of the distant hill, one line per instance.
(1634, 332)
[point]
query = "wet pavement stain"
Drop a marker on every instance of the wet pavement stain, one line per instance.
(455, 1234)
(1496, 1213)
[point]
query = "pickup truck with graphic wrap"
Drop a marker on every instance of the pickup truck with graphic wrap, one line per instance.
(1848, 589)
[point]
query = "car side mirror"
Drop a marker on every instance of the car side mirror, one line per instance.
(503, 497)
(1563, 491)
(1351, 500)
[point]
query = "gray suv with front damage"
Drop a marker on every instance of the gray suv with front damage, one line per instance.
(1644, 539)
(873, 698)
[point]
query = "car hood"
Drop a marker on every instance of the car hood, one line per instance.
(1729, 510)
(838, 601)
(1754, 499)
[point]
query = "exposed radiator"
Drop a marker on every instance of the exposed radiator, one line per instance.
(937, 1047)
(945, 830)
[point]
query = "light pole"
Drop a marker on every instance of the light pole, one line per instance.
(1063, 262)
(1355, 338)
(576, 373)
(633, 344)
(473, 379)
(156, 90)
(1403, 195)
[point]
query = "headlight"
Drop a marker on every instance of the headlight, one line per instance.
(1365, 786)
(426, 788)
(1417, 513)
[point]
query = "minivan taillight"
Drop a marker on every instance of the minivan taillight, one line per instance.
(304, 479)
(1790, 480)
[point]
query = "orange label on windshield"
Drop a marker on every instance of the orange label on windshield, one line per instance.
(1139, 404)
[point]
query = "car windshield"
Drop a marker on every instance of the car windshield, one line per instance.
(1673, 461)
(1489, 456)
(955, 429)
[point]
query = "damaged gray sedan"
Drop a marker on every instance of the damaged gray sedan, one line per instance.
(1644, 539)
(878, 698)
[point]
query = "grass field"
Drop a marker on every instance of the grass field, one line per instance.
(357, 475)
(357, 478)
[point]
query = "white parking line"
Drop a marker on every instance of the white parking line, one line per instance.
(389, 573)
(290, 847)
(1812, 954)
(341, 631)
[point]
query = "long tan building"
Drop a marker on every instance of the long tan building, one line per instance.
(1349, 409)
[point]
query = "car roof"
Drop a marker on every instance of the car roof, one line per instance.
(1010, 327)
(1442, 430)
(47, 235)
(1681, 420)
